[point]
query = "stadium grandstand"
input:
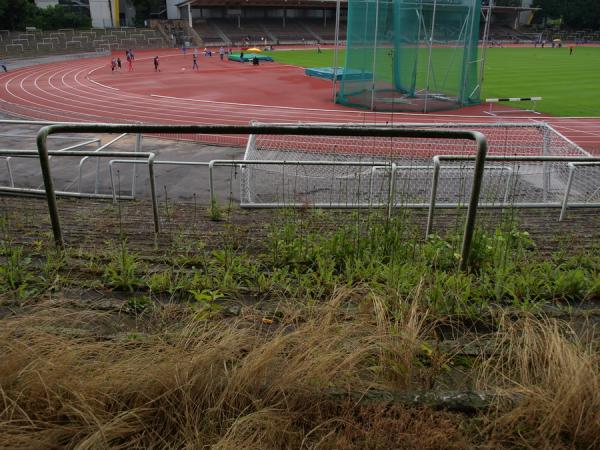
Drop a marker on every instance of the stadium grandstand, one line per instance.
(268, 22)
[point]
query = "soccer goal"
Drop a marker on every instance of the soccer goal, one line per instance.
(358, 172)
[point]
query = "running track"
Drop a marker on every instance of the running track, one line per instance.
(220, 93)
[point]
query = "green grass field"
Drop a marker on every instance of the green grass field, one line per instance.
(569, 84)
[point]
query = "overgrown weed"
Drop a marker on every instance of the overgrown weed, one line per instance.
(336, 313)
(556, 377)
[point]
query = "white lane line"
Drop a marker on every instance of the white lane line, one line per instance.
(103, 85)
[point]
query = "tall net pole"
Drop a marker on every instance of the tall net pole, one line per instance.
(375, 54)
(484, 45)
(336, 46)
(430, 54)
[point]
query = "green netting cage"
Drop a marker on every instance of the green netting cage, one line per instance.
(411, 55)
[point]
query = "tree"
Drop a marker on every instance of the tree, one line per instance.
(575, 13)
(58, 16)
(16, 14)
(143, 9)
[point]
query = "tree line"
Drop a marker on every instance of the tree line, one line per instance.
(574, 13)
(18, 14)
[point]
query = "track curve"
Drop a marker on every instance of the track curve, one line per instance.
(221, 92)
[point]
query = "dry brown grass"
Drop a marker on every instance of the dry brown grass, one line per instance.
(555, 376)
(293, 383)
(223, 384)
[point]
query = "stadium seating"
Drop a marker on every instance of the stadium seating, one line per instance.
(210, 33)
(251, 31)
(86, 40)
(266, 31)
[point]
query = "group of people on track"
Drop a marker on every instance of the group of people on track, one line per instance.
(116, 64)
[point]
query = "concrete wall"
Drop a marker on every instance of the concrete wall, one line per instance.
(123, 13)
(172, 10)
(100, 14)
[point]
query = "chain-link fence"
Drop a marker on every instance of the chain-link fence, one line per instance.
(405, 168)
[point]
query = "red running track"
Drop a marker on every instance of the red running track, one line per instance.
(221, 92)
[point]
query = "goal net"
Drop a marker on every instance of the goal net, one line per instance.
(348, 171)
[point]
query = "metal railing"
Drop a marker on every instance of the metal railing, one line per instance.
(544, 159)
(46, 172)
(572, 166)
(337, 130)
(284, 163)
(9, 159)
(112, 162)
(98, 150)
(290, 129)
(97, 141)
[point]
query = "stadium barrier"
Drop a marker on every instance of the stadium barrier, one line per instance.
(474, 136)
(571, 162)
(46, 173)
(525, 178)
(492, 101)
(596, 189)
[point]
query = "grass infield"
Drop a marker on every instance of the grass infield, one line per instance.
(569, 84)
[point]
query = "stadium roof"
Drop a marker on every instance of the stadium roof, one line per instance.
(281, 3)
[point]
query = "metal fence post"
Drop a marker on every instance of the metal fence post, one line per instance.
(10, 174)
(433, 196)
(507, 188)
(153, 192)
(392, 198)
(371, 181)
(563, 210)
(211, 185)
(112, 182)
(137, 149)
(545, 165)
(482, 147)
(97, 182)
(49, 186)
